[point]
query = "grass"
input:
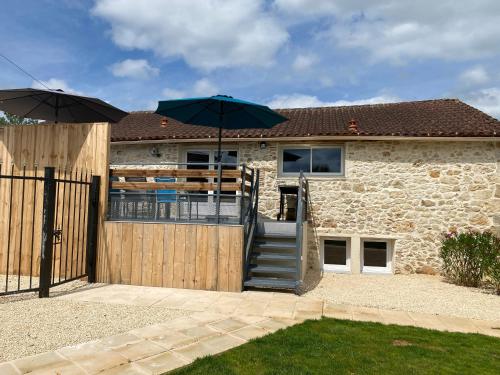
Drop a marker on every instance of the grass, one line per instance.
(331, 346)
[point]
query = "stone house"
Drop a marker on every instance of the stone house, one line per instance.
(385, 180)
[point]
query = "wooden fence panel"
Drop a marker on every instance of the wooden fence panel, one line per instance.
(190, 256)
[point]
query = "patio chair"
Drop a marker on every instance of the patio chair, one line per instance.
(165, 197)
(142, 201)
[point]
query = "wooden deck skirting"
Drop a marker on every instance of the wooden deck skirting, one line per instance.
(189, 256)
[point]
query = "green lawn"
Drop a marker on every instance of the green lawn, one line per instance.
(331, 346)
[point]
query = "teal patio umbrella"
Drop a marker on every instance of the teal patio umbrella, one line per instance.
(222, 112)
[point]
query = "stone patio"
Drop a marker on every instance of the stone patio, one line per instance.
(214, 322)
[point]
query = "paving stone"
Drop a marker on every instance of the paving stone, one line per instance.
(456, 324)
(126, 369)
(193, 351)
(119, 340)
(101, 361)
(218, 344)
(66, 369)
(140, 350)
(250, 319)
(228, 325)
(199, 332)
(337, 311)
(208, 316)
(366, 314)
(250, 332)
(271, 325)
(173, 340)
(41, 362)
(152, 331)
(396, 317)
(182, 323)
(8, 369)
(161, 363)
(427, 321)
(307, 315)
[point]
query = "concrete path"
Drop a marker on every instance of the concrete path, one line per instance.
(214, 322)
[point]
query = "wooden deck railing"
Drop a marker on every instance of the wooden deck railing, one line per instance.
(182, 174)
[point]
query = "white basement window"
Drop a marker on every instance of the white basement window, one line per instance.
(312, 160)
(376, 256)
(336, 255)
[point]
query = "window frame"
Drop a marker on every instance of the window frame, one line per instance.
(388, 261)
(337, 268)
(284, 147)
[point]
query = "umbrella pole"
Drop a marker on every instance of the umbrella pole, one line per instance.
(219, 170)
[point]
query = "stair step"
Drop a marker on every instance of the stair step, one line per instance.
(264, 268)
(275, 245)
(284, 236)
(267, 282)
(272, 256)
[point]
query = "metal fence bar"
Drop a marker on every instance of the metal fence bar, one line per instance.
(49, 192)
(92, 226)
(21, 231)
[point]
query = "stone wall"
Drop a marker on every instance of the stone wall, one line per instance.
(406, 191)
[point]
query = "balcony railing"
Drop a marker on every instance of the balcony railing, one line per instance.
(187, 193)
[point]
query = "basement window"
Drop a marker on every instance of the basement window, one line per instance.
(376, 256)
(312, 160)
(336, 255)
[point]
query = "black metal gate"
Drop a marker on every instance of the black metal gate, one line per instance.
(48, 228)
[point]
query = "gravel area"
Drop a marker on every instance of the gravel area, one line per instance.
(30, 325)
(416, 293)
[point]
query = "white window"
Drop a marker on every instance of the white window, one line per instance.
(312, 160)
(376, 256)
(336, 254)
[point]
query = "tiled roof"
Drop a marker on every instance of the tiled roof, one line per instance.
(429, 118)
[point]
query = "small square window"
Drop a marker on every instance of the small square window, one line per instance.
(336, 255)
(376, 256)
(327, 160)
(296, 160)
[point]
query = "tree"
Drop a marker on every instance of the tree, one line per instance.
(8, 119)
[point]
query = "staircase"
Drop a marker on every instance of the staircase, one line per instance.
(273, 260)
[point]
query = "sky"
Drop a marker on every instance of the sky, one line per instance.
(283, 53)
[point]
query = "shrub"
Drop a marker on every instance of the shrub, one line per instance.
(469, 256)
(493, 272)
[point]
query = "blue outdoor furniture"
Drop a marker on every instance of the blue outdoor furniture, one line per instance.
(165, 197)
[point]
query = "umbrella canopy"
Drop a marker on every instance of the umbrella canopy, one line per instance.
(223, 112)
(58, 106)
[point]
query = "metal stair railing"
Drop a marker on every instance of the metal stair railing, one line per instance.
(250, 222)
(301, 217)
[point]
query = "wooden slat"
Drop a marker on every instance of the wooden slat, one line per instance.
(181, 173)
(190, 186)
(137, 234)
(147, 255)
(223, 258)
(235, 259)
(201, 256)
(157, 256)
(190, 257)
(127, 250)
(179, 256)
(212, 257)
(168, 255)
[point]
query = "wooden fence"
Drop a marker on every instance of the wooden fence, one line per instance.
(77, 151)
(189, 256)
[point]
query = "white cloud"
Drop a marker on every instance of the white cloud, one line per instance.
(400, 31)
(487, 100)
(55, 84)
(474, 76)
(304, 62)
(173, 94)
(304, 101)
(206, 34)
(137, 69)
(202, 87)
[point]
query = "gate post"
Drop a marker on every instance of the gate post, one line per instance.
(49, 206)
(92, 222)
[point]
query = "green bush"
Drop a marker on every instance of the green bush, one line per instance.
(493, 273)
(469, 256)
